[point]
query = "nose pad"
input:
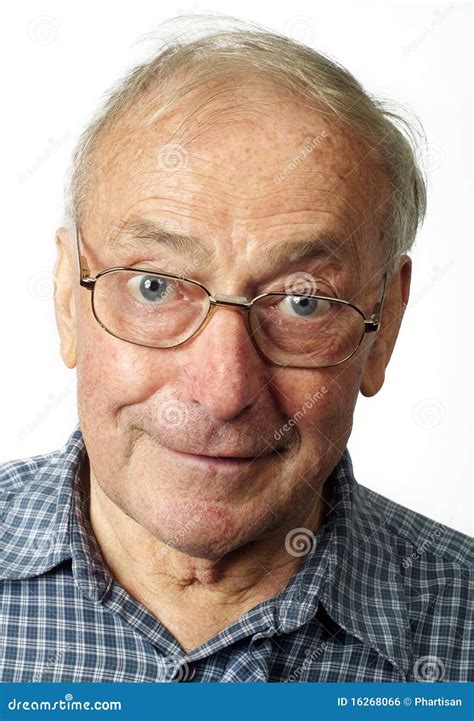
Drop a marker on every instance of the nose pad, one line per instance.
(231, 298)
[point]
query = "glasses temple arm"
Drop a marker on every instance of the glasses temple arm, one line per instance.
(84, 273)
(373, 323)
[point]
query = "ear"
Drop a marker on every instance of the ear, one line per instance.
(396, 300)
(65, 279)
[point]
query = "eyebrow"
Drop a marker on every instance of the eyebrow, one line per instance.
(322, 246)
(137, 232)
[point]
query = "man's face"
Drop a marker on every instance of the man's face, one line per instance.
(151, 417)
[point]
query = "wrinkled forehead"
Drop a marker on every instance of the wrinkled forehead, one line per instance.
(250, 158)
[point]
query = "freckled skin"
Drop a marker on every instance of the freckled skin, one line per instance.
(220, 526)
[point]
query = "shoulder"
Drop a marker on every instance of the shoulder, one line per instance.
(39, 475)
(15, 474)
(412, 535)
(28, 493)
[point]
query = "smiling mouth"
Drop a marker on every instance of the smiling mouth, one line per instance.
(223, 462)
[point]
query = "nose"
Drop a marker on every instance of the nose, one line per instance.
(223, 370)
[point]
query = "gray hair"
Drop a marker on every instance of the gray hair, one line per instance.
(211, 49)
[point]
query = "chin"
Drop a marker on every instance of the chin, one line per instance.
(208, 532)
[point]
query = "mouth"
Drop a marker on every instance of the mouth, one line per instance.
(225, 462)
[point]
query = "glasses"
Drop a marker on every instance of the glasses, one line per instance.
(162, 310)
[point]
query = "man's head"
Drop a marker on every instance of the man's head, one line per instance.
(231, 143)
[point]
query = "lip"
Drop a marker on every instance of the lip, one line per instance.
(221, 462)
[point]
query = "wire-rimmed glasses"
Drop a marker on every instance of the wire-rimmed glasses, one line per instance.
(161, 310)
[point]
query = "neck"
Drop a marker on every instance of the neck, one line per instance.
(194, 598)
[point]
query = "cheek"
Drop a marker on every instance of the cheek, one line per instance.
(319, 401)
(112, 373)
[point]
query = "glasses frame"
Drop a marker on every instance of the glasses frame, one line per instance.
(371, 324)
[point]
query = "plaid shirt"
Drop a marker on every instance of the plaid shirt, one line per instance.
(381, 595)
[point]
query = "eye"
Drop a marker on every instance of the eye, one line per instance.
(304, 307)
(152, 289)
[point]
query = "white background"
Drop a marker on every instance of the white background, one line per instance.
(412, 441)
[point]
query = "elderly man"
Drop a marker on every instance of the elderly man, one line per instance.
(232, 274)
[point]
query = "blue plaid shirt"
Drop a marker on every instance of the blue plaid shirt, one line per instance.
(382, 595)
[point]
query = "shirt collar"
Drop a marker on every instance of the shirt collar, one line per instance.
(353, 571)
(351, 568)
(35, 511)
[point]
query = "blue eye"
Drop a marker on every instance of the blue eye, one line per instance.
(304, 307)
(152, 289)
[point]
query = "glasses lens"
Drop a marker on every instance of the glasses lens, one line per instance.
(149, 309)
(305, 330)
